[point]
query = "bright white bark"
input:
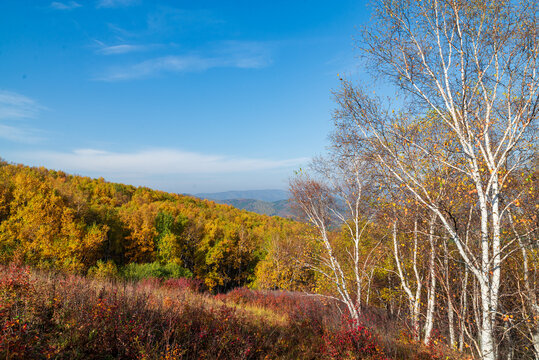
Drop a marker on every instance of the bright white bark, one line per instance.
(463, 310)
(431, 292)
(413, 295)
(449, 306)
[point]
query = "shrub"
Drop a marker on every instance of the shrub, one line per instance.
(353, 341)
(194, 285)
(155, 270)
(104, 270)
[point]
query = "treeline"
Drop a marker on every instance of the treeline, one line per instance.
(50, 219)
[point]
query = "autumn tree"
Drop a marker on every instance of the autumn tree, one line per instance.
(469, 68)
(332, 196)
(52, 219)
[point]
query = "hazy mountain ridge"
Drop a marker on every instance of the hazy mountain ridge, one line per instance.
(275, 208)
(267, 195)
(270, 202)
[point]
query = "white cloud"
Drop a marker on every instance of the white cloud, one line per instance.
(232, 54)
(115, 3)
(122, 49)
(65, 6)
(153, 162)
(16, 106)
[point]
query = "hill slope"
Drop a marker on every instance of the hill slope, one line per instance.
(54, 220)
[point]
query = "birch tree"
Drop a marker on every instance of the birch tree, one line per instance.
(469, 68)
(331, 197)
(413, 293)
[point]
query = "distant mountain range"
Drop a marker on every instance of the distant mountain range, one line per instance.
(267, 202)
(280, 208)
(262, 195)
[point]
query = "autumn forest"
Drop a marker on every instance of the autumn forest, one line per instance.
(415, 236)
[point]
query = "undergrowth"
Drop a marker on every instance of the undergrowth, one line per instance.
(57, 316)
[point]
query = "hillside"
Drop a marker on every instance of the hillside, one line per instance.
(50, 219)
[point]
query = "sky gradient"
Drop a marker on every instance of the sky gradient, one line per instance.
(182, 96)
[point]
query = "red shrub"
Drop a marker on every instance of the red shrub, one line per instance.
(353, 341)
(194, 285)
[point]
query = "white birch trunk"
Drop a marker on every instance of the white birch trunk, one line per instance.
(431, 293)
(531, 307)
(473, 64)
(463, 310)
(414, 297)
(450, 312)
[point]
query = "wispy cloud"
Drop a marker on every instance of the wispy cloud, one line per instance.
(17, 106)
(122, 33)
(159, 65)
(232, 54)
(65, 6)
(14, 106)
(246, 54)
(24, 134)
(155, 162)
(122, 49)
(116, 3)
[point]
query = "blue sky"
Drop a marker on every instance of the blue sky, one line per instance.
(183, 96)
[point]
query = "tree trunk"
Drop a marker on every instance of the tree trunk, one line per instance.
(463, 310)
(450, 312)
(414, 298)
(431, 297)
